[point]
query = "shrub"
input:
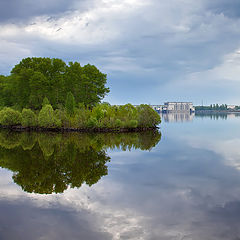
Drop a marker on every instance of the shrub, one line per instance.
(60, 117)
(147, 116)
(29, 118)
(10, 117)
(46, 117)
(92, 122)
(80, 118)
(132, 124)
(118, 123)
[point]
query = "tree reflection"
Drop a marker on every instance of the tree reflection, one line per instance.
(46, 163)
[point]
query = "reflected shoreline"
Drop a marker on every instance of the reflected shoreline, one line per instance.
(217, 115)
(48, 163)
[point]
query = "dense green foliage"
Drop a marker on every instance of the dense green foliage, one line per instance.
(147, 117)
(34, 79)
(46, 117)
(101, 116)
(70, 103)
(45, 101)
(9, 117)
(46, 163)
(29, 118)
(48, 93)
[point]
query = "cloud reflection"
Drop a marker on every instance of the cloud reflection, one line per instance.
(183, 189)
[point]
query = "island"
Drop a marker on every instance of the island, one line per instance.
(46, 94)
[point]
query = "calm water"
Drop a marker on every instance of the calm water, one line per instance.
(182, 183)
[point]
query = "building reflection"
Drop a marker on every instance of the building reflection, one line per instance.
(178, 116)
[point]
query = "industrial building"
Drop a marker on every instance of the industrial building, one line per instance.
(170, 107)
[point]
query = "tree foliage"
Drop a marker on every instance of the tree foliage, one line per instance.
(29, 118)
(70, 104)
(101, 116)
(147, 116)
(10, 117)
(55, 94)
(45, 101)
(46, 117)
(33, 79)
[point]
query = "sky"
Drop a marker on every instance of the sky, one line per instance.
(152, 51)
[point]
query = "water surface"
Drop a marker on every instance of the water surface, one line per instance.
(180, 183)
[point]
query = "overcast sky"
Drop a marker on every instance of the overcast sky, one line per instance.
(152, 51)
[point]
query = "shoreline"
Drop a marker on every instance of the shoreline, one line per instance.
(81, 130)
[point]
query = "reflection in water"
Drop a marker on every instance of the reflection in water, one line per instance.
(218, 115)
(46, 163)
(186, 188)
(178, 116)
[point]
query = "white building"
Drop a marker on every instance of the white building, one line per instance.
(179, 107)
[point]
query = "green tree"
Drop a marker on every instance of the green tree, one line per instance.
(93, 88)
(34, 78)
(38, 84)
(46, 117)
(45, 101)
(39, 77)
(70, 103)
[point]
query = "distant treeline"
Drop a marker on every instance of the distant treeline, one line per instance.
(48, 93)
(215, 107)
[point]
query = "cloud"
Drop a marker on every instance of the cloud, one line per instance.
(152, 44)
(229, 8)
(15, 11)
(227, 70)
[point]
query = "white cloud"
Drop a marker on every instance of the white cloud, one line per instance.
(228, 70)
(176, 42)
(96, 26)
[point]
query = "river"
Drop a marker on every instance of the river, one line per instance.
(182, 182)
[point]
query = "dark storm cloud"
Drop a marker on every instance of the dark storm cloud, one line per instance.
(15, 10)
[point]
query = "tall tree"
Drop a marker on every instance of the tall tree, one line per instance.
(93, 89)
(70, 103)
